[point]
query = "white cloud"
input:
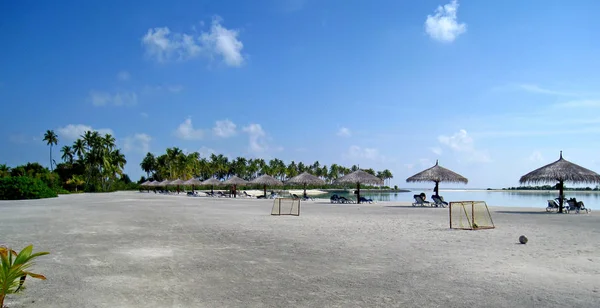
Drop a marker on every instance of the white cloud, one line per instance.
(74, 131)
(256, 138)
(344, 132)
(436, 150)
(425, 162)
(20, 138)
(101, 98)
(443, 26)
(175, 88)
(357, 153)
(462, 143)
(137, 143)
(223, 42)
(536, 157)
(224, 128)
(144, 115)
(123, 76)
(206, 152)
(164, 45)
(585, 103)
(186, 131)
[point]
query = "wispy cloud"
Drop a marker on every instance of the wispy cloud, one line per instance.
(585, 103)
(256, 138)
(536, 157)
(123, 76)
(357, 153)
(74, 131)
(436, 150)
(224, 128)
(138, 143)
(186, 131)
(462, 144)
(344, 132)
(163, 45)
(444, 26)
(102, 98)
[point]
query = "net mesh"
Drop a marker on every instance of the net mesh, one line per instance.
(470, 215)
(286, 206)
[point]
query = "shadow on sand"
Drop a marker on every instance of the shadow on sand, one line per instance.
(525, 212)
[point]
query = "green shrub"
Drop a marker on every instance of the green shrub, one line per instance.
(22, 187)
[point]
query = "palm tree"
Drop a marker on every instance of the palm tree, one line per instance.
(148, 164)
(51, 139)
(75, 180)
(79, 148)
(67, 155)
(4, 170)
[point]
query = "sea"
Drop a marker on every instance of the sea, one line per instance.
(506, 198)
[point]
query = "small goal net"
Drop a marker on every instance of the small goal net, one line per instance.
(286, 206)
(470, 215)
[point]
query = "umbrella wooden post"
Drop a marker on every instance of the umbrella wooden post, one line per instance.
(358, 192)
(437, 188)
(265, 190)
(561, 196)
(212, 187)
(305, 191)
(234, 191)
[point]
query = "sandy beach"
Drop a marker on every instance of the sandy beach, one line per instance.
(130, 249)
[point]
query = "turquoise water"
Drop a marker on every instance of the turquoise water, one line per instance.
(492, 198)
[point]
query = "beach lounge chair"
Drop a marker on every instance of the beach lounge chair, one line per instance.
(577, 206)
(419, 201)
(245, 194)
(438, 201)
(552, 206)
(346, 200)
(294, 196)
(363, 200)
(334, 199)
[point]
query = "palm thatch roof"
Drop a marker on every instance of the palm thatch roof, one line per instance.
(177, 182)
(234, 180)
(212, 181)
(146, 183)
(163, 183)
(153, 183)
(360, 176)
(561, 170)
(192, 181)
(306, 178)
(438, 174)
(266, 179)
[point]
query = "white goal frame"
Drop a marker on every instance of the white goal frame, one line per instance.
(292, 203)
(467, 215)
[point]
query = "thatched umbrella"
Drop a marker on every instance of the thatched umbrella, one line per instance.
(306, 178)
(163, 183)
(193, 182)
(212, 182)
(437, 174)
(359, 177)
(177, 183)
(265, 180)
(561, 171)
(146, 185)
(235, 181)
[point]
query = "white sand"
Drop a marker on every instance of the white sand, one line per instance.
(147, 250)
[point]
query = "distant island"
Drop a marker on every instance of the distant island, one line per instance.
(552, 187)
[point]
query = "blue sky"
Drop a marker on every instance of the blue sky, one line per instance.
(491, 89)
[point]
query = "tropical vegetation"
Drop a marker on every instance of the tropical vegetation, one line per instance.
(14, 269)
(175, 164)
(93, 163)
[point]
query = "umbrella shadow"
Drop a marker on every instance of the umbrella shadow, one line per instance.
(525, 212)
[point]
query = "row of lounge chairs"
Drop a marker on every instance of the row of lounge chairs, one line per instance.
(438, 201)
(344, 200)
(572, 205)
